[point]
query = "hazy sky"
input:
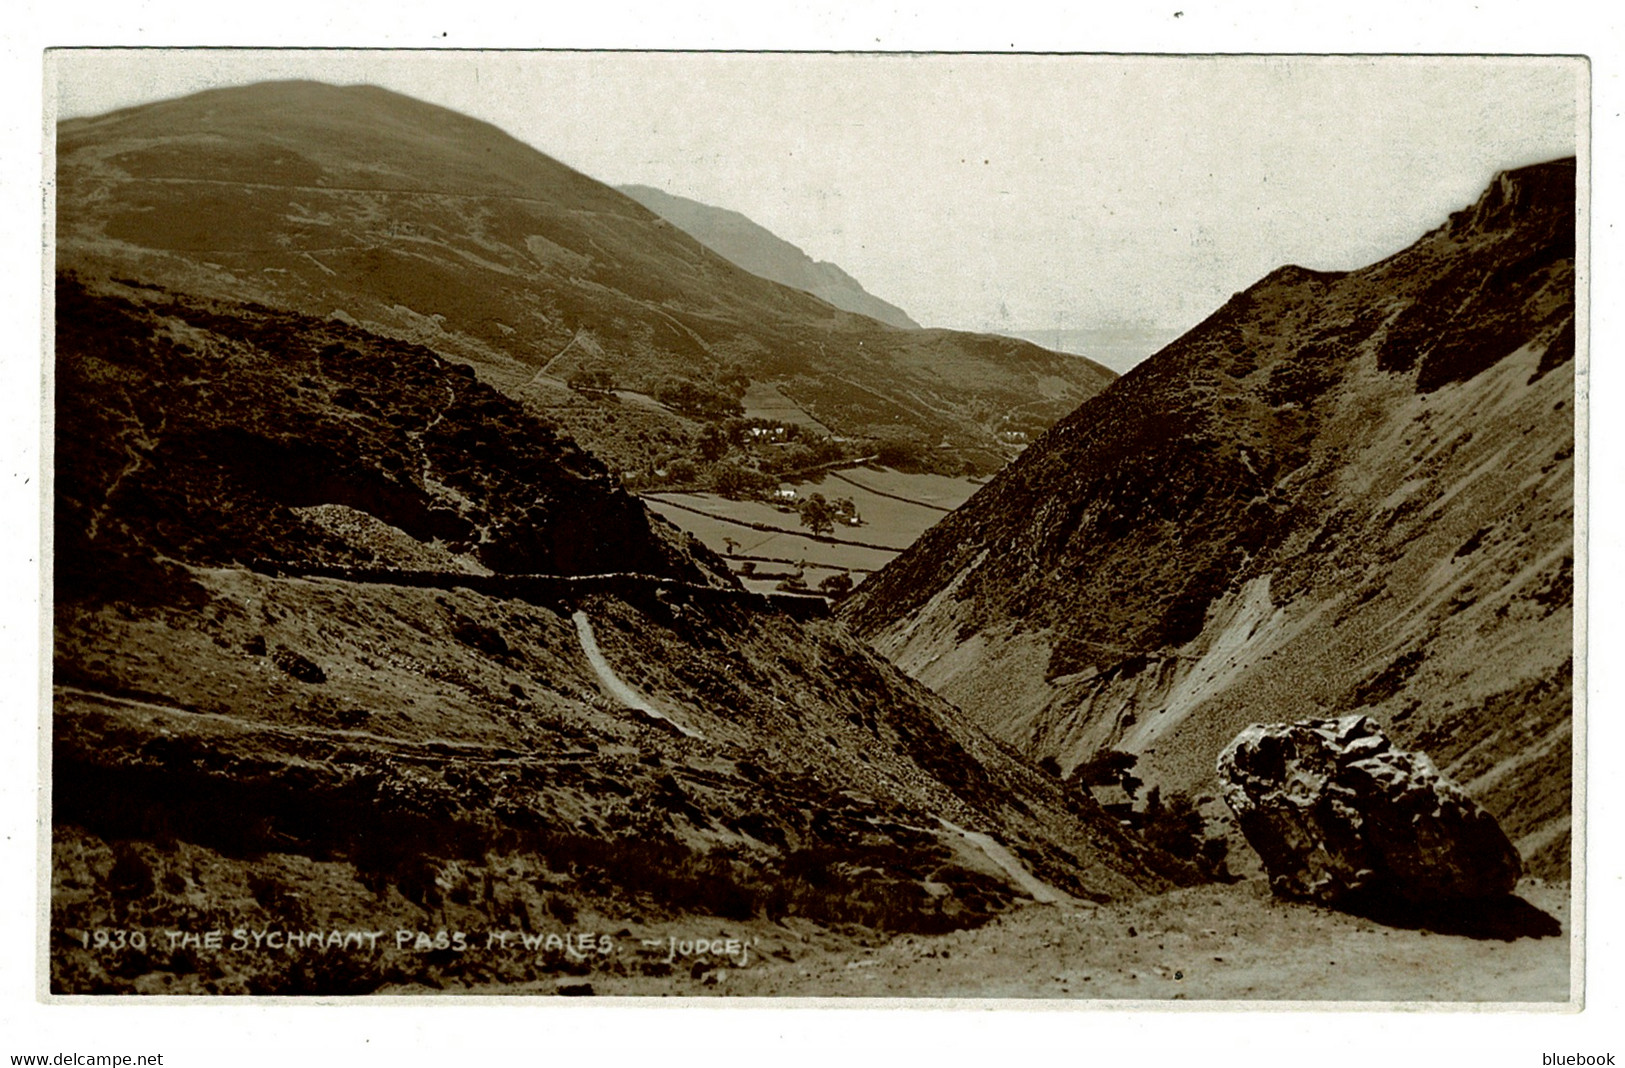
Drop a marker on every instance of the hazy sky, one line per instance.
(979, 191)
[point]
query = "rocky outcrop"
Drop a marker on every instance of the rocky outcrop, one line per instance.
(1341, 816)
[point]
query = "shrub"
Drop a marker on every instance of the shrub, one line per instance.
(836, 586)
(713, 443)
(591, 380)
(299, 667)
(1176, 827)
(1108, 767)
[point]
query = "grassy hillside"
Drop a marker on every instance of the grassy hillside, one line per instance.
(1339, 492)
(422, 224)
(243, 741)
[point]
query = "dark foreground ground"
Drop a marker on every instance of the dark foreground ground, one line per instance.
(1212, 942)
(1208, 942)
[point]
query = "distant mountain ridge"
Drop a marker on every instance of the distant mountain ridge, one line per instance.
(1340, 492)
(762, 252)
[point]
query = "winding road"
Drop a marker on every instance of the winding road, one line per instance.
(617, 686)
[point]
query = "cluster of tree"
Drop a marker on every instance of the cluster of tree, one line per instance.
(738, 482)
(820, 515)
(745, 459)
(682, 472)
(704, 400)
(1024, 423)
(915, 455)
(1109, 767)
(798, 456)
(773, 445)
(902, 453)
(835, 587)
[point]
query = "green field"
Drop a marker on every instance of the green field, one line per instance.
(763, 400)
(896, 509)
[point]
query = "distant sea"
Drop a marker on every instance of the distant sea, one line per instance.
(1118, 347)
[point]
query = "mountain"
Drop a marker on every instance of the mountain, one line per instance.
(764, 253)
(416, 222)
(348, 643)
(1342, 491)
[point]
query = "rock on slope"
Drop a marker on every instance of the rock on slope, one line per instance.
(763, 253)
(1340, 816)
(1339, 492)
(426, 225)
(248, 736)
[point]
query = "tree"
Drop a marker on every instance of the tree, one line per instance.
(791, 457)
(817, 515)
(734, 381)
(736, 483)
(713, 443)
(828, 451)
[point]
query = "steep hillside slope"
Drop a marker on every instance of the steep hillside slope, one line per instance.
(764, 253)
(236, 435)
(1341, 491)
(336, 651)
(429, 226)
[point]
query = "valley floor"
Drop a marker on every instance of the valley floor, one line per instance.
(1212, 942)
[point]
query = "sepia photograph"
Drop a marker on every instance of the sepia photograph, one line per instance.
(1049, 527)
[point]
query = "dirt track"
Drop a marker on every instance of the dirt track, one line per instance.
(1208, 943)
(613, 683)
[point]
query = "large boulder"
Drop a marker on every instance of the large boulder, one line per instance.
(1341, 816)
